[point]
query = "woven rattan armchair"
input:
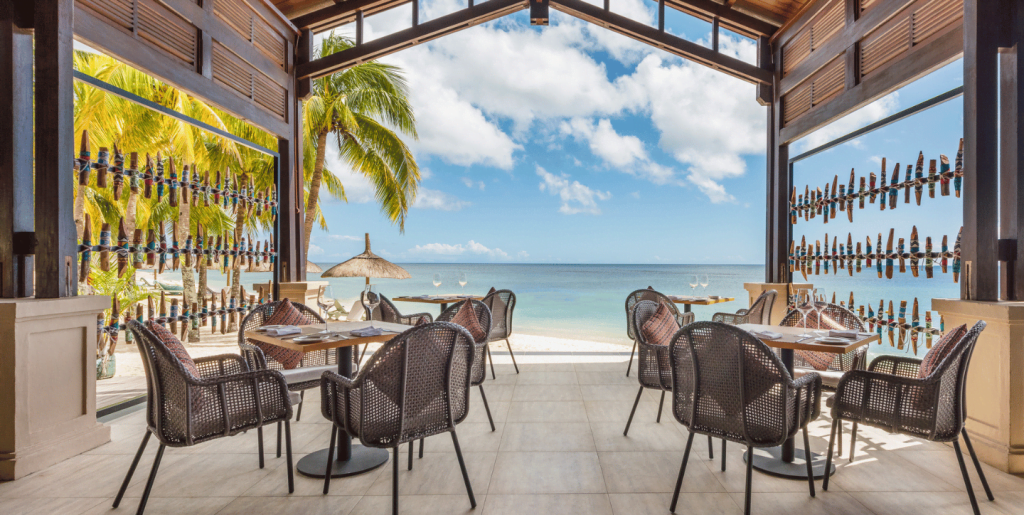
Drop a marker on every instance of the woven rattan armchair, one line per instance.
(654, 296)
(890, 396)
(501, 303)
(760, 311)
(299, 379)
(416, 385)
(397, 317)
(653, 367)
(225, 400)
(729, 384)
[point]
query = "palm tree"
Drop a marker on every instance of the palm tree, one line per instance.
(359, 106)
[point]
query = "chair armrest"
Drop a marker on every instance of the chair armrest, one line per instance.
(902, 366)
(415, 317)
(266, 389)
(686, 319)
(731, 318)
(810, 386)
(883, 400)
(333, 377)
(221, 365)
(742, 312)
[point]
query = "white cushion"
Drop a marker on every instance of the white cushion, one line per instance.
(295, 398)
(304, 374)
(829, 378)
(355, 313)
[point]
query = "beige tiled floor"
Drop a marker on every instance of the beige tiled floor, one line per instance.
(557, 448)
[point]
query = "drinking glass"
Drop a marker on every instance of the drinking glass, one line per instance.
(704, 283)
(819, 305)
(371, 297)
(324, 303)
(463, 281)
(437, 282)
(693, 286)
(804, 304)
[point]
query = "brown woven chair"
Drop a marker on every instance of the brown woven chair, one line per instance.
(653, 367)
(890, 396)
(416, 385)
(651, 295)
(760, 311)
(299, 379)
(501, 303)
(397, 317)
(729, 384)
(225, 400)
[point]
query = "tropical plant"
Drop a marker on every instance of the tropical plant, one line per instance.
(359, 107)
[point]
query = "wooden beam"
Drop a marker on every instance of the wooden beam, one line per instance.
(731, 19)
(779, 230)
(16, 189)
(57, 245)
(402, 39)
(979, 276)
(1009, 169)
(665, 41)
(765, 95)
(1015, 162)
(342, 13)
(920, 61)
(539, 12)
(290, 246)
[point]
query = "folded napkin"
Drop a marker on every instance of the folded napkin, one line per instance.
(283, 331)
(843, 333)
(367, 331)
(769, 335)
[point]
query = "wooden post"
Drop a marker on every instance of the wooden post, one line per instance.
(714, 33)
(290, 246)
(56, 249)
(16, 199)
(778, 232)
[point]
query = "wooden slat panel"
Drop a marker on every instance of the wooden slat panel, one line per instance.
(934, 16)
(913, 26)
(796, 51)
(268, 94)
(269, 41)
(236, 16)
(825, 84)
(167, 30)
(881, 48)
(867, 4)
(796, 103)
(240, 76)
(823, 27)
(117, 12)
(249, 24)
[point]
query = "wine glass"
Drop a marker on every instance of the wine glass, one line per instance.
(437, 282)
(325, 302)
(371, 298)
(819, 305)
(704, 281)
(804, 304)
(693, 285)
(463, 281)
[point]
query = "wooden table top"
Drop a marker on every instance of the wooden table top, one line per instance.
(343, 328)
(438, 299)
(791, 339)
(699, 301)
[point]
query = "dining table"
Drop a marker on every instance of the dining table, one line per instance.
(787, 461)
(443, 300)
(688, 301)
(349, 459)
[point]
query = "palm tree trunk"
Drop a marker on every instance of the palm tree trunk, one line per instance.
(236, 272)
(129, 213)
(314, 187)
(80, 211)
(188, 277)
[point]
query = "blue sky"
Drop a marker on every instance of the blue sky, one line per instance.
(572, 144)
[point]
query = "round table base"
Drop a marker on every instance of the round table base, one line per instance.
(769, 461)
(363, 459)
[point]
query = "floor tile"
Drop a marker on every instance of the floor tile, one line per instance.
(658, 504)
(437, 474)
(547, 436)
(418, 504)
(547, 473)
(547, 411)
(546, 392)
(590, 504)
(654, 472)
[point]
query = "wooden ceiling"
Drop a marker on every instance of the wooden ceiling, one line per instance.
(773, 12)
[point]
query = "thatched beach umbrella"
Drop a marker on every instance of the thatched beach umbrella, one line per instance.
(367, 265)
(313, 268)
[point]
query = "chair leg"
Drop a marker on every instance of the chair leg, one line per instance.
(462, 465)
(491, 360)
(828, 459)
(807, 461)
(330, 459)
(279, 439)
(486, 408)
(411, 445)
(630, 421)
(660, 405)
(853, 442)
(631, 353)
(509, 345)
(302, 397)
(394, 484)
(152, 478)
(288, 451)
(750, 470)
(259, 439)
(839, 441)
(711, 450)
(421, 448)
(723, 454)
(977, 464)
(967, 477)
(131, 469)
(682, 472)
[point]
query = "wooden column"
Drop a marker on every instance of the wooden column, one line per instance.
(777, 234)
(56, 241)
(291, 248)
(16, 215)
(1014, 165)
(979, 278)
(1009, 160)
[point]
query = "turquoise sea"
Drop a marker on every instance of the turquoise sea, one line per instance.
(586, 302)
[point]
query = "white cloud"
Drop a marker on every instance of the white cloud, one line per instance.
(427, 198)
(458, 249)
(315, 250)
(615, 149)
(340, 237)
(635, 194)
(473, 184)
(576, 198)
(864, 116)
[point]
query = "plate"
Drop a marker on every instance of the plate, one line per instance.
(832, 340)
(310, 338)
(268, 327)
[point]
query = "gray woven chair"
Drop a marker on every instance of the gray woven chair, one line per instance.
(653, 367)
(299, 379)
(416, 385)
(225, 400)
(890, 396)
(395, 316)
(760, 311)
(728, 384)
(501, 303)
(651, 295)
